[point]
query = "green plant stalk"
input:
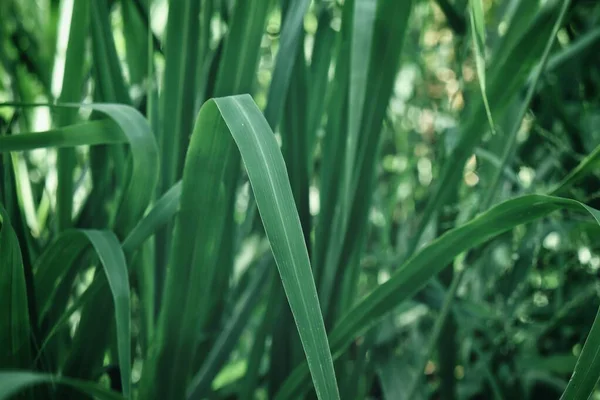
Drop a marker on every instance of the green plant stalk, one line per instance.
(71, 92)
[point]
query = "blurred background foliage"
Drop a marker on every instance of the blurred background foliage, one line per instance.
(526, 300)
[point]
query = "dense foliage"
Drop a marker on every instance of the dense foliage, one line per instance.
(355, 199)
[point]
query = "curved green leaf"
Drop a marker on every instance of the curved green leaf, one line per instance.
(162, 211)
(207, 180)
(428, 262)
(57, 263)
(86, 133)
(12, 382)
(136, 130)
(587, 166)
(587, 370)
(111, 257)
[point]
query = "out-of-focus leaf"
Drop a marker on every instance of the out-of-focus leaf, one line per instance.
(428, 262)
(478, 36)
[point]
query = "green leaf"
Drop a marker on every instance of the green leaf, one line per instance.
(428, 262)
(291, 33)
(361, 40)
(12, 382)
(111, 257)
(587, 370)
(478, 37)
(588, 165)
(86, 133)
(275, 202)
(161, 213)
(72, 84)
(195, 246)
(228, 337)
(144, 153)
(108, 74)
(177, 100)
(15, 330)
(55, 272)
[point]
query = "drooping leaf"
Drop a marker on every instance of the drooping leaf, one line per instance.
(195, 253)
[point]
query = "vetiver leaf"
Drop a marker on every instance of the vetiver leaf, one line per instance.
(162, 211)
(286, 57)
(274, 199)
(391, 22)
(360, 56)
(195, 251)
(86, 133)
(135, 130)
(14, 318)
(478, 37)
(111, 257)
(107, 68)
(433, 258)
(588, 165)
(587, 370)
(72, 86)
(177, 101)
(202, 380)
(12, 382)
(55, 273)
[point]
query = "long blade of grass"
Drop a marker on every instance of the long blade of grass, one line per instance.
(55, 272)
(202, 380)
(144, 153)
(587, 370)
(86, 133)
(274, 199)
(250, 381)
(289, 44)
(72, 87)
(587, 166)
(108, 249)
(512, 135)
(194, 261)
(109, 78)
(478, 37)
(428, 262)
(391, 22)
(361, 41)
(14, 318)
(318, 73)
(13, 382)
(66, 250)
(161, 213)
(178, 97)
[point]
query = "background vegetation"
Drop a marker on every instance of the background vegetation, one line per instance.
(405, 207)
